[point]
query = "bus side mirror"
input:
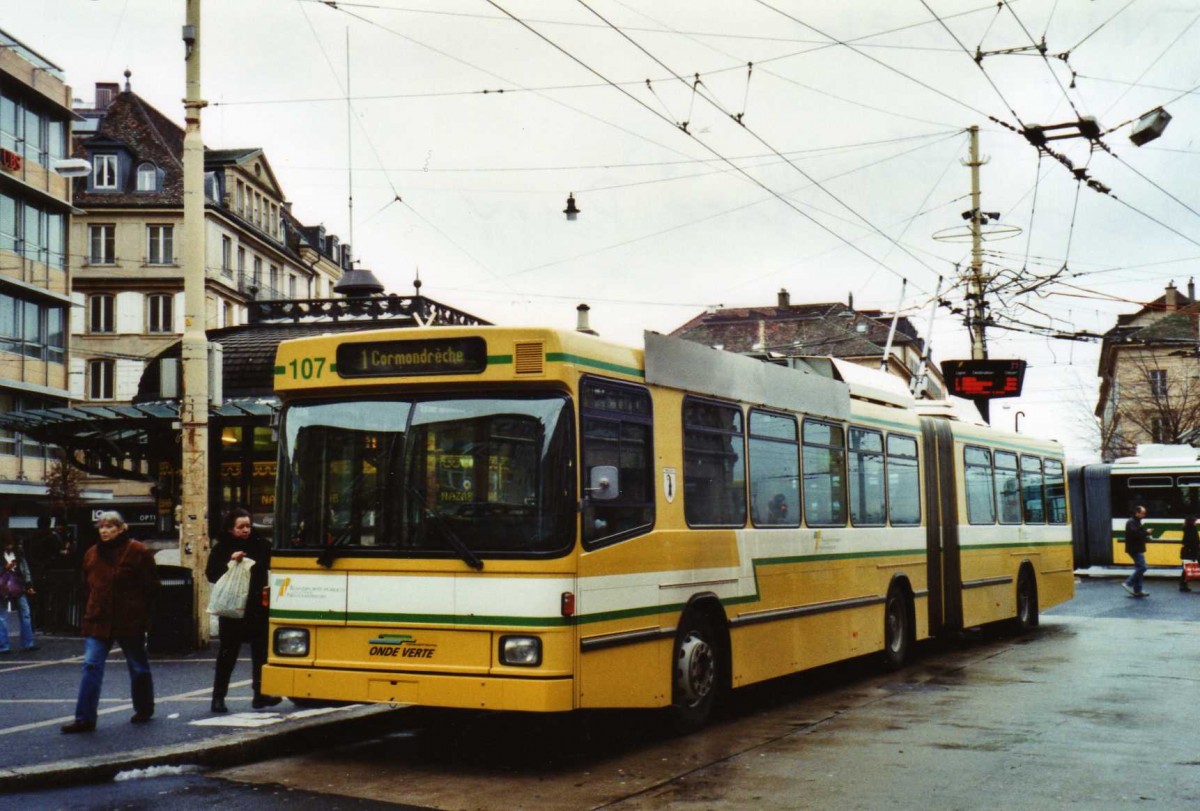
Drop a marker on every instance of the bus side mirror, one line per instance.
(603, 483)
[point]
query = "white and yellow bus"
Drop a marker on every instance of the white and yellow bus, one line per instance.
(540, 520)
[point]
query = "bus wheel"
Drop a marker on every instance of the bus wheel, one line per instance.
(897, 629)
(1027, 601)
(694, 673)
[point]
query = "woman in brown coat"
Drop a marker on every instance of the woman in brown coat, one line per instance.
(121, 581)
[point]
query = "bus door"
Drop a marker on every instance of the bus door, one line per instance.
(941, 527)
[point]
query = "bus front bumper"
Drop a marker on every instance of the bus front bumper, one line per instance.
(423, 689)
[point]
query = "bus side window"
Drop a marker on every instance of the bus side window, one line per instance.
(904, 481)
(1008, 487)
(1056, 492)
(714, 467)
(774, 470)
(977, 471)
(824, 474)
(618, 432)
(868, 495)
(1033, 500)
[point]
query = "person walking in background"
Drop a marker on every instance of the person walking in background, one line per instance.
(121, 581)
(1190, 549)
(238, 542)
(1136, 536)
(16, 569)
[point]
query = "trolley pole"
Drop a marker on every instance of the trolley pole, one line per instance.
(193, 537)
(977, 309)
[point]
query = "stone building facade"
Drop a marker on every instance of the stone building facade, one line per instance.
(1150, 376)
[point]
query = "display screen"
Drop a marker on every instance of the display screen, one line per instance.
(984, 378)
(447, 356)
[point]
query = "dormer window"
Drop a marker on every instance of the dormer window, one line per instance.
(104, 171)
(147, 177)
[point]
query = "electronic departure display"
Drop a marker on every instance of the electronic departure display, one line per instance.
(446, 356)
(976, 379)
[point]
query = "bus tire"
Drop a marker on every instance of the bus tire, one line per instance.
(897, 629)
(695, 673)
(1027, 601)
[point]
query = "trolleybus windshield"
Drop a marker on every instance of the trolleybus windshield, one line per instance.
(462, 477)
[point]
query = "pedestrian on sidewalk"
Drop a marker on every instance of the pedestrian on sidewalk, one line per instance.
(16, 565)
(1190, 551)
(121, 581)
(1136, 537)
(238, 541)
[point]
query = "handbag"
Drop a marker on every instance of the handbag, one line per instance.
(228, 597)
(11, 586)
(1191, 570)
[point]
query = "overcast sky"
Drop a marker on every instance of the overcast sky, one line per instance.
(844, 176)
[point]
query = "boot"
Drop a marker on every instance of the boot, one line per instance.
(218, 705)
(262, 701)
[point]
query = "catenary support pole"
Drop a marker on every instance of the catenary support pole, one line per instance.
(193, 537)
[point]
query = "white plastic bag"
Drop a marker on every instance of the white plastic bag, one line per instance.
(228, 596)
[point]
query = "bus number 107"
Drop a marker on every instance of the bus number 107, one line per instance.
(307, 368)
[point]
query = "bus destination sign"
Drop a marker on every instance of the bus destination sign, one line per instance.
(976, 379)
(446, 356)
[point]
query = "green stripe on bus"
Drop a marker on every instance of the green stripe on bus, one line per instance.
(279, 370)
(566, 357)
(499, 360)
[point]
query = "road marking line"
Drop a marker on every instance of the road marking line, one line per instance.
(123, 707)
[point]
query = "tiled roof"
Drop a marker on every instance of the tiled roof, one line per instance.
(249, 354)
(810, 329)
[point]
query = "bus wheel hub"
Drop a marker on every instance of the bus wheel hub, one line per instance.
(695, 670)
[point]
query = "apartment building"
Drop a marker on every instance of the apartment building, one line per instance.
(35, 282)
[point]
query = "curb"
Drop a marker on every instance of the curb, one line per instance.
(222, 751)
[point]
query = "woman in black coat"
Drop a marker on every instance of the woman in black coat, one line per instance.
(238, 541)
(1190, 549)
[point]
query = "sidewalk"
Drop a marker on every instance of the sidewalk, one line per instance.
(37, 696)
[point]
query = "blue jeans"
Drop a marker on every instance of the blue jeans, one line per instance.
(95, 654)
(1139, 569)
(26, 623)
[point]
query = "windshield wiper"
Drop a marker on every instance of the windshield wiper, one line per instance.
(329, 552)
(465, 552)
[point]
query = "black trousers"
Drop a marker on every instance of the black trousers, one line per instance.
(233, 633)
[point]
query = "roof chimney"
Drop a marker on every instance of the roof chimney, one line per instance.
(850, 300)
(105, 93)
(1172, 297)
(581, 321)
(1192, 289)
(785, 298)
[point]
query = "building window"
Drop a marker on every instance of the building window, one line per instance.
(160, 249)
(275, 282)
(240, 204)
(1158, 382)
(256, 280)
(147, 177)
(227, 315)
(102, 240)
(101, 375)
(101, 315)
(160, 313)
(291, 291)
(104, 171)
(227, 257)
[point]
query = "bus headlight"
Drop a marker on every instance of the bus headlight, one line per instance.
(521, 651)
(291, 642)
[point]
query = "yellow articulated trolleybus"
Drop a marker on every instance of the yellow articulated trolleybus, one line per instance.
(540, 520)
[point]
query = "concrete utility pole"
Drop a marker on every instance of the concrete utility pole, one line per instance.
(977, 309)
(193, 537)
